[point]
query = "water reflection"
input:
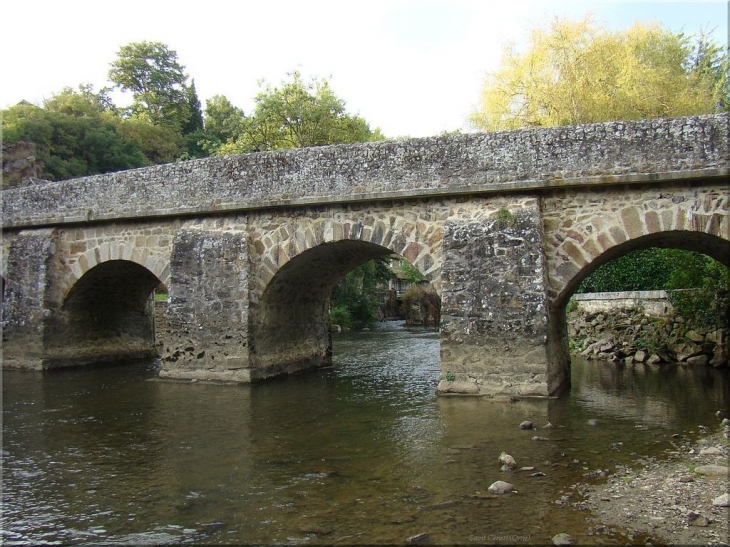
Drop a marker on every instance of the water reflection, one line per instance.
(360, 453)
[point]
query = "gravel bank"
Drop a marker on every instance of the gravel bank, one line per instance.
(673, 501)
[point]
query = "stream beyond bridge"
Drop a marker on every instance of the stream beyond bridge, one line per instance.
(504, 225)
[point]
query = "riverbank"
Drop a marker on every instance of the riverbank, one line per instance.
(672, 502)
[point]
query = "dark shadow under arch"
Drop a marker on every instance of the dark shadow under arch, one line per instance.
(108, 315)
(292, 328)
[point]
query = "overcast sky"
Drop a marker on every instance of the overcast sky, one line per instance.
(411, 67)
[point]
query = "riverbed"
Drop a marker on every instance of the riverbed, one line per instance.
(363, 452)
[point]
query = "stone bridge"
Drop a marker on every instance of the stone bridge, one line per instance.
(504, 225)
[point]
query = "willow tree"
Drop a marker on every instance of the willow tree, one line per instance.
(576, 72)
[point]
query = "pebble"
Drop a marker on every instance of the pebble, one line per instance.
(418, 538)
(722, 501)
(712, 451)
(562, 539)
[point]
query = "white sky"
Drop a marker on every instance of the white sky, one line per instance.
(411, 67)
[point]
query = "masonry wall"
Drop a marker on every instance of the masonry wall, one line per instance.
(653, 303)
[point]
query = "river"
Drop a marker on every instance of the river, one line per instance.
(363, 452)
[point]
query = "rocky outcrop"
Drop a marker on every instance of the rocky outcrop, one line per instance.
(630, 336)
(20, 165)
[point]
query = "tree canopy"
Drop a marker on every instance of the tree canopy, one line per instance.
(576, 72)
(80, 132)
(294, 115)
(157, 81)
(76, 133)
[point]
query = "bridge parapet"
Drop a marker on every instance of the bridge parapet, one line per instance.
(525, 161)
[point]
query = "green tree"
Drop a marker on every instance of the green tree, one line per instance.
(158, 143)
(576, 72)
(222, 123)
(82, 102)
(195, 123)
(157, 81)
(298, 114)
(76, 134)
(354, 301)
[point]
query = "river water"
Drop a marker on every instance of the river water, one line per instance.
(363, 452)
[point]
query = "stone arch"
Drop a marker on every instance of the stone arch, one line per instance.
(417, 239)
(107, 315)
(291, 327)
(583, 233)
(697, 222)
(115, 251)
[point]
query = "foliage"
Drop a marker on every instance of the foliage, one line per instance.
(697, 285)
(295, 115)
(157, 81)
(222, 120)
(505, 218)
(340, 315)
(576, 72)
(354, 302)
(81, 132)
(408, 272)
(76, 134)
(159, 143)
(642, 270)
(195, 122)
(700, 290)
